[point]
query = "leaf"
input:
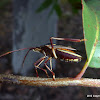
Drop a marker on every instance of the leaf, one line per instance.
(51, 12)
(58, 9)
(91, 20)
(44, 5)
(4, 3)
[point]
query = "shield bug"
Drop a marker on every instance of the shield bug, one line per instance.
(52, 51)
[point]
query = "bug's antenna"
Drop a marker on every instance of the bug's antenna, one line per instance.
(12, 52)
(25, 59)
(26, 56)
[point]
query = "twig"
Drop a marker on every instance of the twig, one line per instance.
(34, 81)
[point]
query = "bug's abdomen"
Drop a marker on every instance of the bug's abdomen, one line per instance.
(68, 55)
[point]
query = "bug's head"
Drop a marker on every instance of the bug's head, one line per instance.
(37, 49)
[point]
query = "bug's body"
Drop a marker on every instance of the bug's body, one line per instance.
(52, 51)
(63, 53)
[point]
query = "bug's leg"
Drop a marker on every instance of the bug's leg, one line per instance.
(82, 71)
(37, 64)
(67, 39)
(51, 63)
(45, 63)
(54, 53)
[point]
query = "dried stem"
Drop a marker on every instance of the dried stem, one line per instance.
(33, 81)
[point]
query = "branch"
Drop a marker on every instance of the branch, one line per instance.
(34, 81)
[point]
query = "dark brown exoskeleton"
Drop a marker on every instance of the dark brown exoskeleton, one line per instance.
(53, 51)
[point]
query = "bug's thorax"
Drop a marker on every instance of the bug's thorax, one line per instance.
(47, 51)
(44, 50)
